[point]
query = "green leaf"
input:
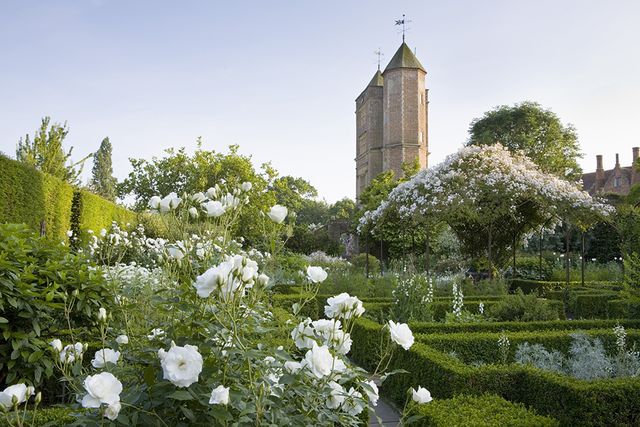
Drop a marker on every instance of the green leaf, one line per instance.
(180, 395)
(3, 320)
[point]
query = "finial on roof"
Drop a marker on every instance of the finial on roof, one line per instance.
(402, 22)
(379, 54)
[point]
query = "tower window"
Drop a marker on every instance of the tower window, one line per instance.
(616, 182)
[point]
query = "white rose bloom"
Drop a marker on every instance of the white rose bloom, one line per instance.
(56, 344)
(303, 335)
(193, 212)
(214, 278)
(320, 361)
(112, 411)
(336, 396)
(213, 208)
(181, 365)
(69, 233)
(212, 192)
(343, 306)
(263, 280)
(71, 352)
(292, 367)
(175, 253)
(278, 214)
(19, 391)
(401, 334)
(246, 186)
(101, 388)
(103, 232)
(341, 341)
(198, 197)
(102, 314)
(422, 395)
(103, 356)
(154, 203)
(155, 333)
(122, 339)
(316, 274)
(353, 404)
(373, 395)
(219, 396)
(170, 201)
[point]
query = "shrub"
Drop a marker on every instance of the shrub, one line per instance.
(359, 262)
(521, 307)
(479, 411)
(44, 417)
(37, 278)
(589, 305)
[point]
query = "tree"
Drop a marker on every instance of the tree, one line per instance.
(292, 192)
(46, 153)
(537, 132)
(102, 181)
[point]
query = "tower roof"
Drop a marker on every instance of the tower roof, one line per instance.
(404, 58)
(377, 79)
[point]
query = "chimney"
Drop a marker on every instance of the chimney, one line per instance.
(617, 161)
(636, 153)
(599, 174)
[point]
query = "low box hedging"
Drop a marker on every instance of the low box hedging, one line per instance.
(557, 325)
(487, 410)
(544, 287)
(483, 346)
(52, 416)
(593, 305)
(624, 308)
(286, 301)
(572, 402)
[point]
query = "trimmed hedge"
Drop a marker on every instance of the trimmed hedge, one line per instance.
(624, 308)
(28, 196)
(52, 416)
(92, 212)
(543, 288)
(487, 410)
(571, 401)
(483, 346)
(550, 325)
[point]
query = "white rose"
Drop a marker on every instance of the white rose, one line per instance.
(263, 279)
(175, 253)
(213, 208)
(212, 192)
(155, 333)
(19, 391)
(102, 314)
(353, 404)
(213, 278)
(101, 388)
(170, 201)
(278, 214)
(373, 394)
(343, 306)
(219, 396)
(303, 335)
(193, 212)
(154, 203)
(181, 365)
(56, 344)
(122, 339)
(198, 197)
(103, 356)
(422, 395)
(316, 274)
(319, 361)
(112, 411)
(71, 352)
(401, 334)
(336, 396)
(246, 186)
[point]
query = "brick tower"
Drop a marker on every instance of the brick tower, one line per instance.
(392, 119)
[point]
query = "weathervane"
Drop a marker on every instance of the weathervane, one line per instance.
(402, 22)
(379, 54)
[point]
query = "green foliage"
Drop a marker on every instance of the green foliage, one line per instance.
(479, 411)
(594, 305)
(37, 281)
(632, 271)
(46, 153)
(521, 307)
(359, 263)
(496, 327)
(102, 181)
(92, 212)
(45, 417)
(30, 197)
(535, 131)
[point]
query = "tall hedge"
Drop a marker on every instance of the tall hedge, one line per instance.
(28, 196)
(92, 212)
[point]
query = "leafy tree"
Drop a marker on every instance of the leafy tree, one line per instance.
(292, 192)
(533, 130)
(102, 181)
(46, 153)
(343, 209)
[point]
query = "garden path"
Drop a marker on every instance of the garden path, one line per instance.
(387, 413)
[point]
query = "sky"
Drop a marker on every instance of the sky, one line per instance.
(280, 78)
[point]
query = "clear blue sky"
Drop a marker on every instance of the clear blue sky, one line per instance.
(280, 78)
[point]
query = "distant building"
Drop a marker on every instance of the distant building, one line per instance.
(618, 180)
(392, 119)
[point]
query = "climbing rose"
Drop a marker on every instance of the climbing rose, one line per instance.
(101, 388)
(373, 394)
(336, 396)
(316, 274)
(219, 396)
(70, 352)
(103, 356)
(181, 365)
(320, 361)
(421, 395)
(56, 344)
